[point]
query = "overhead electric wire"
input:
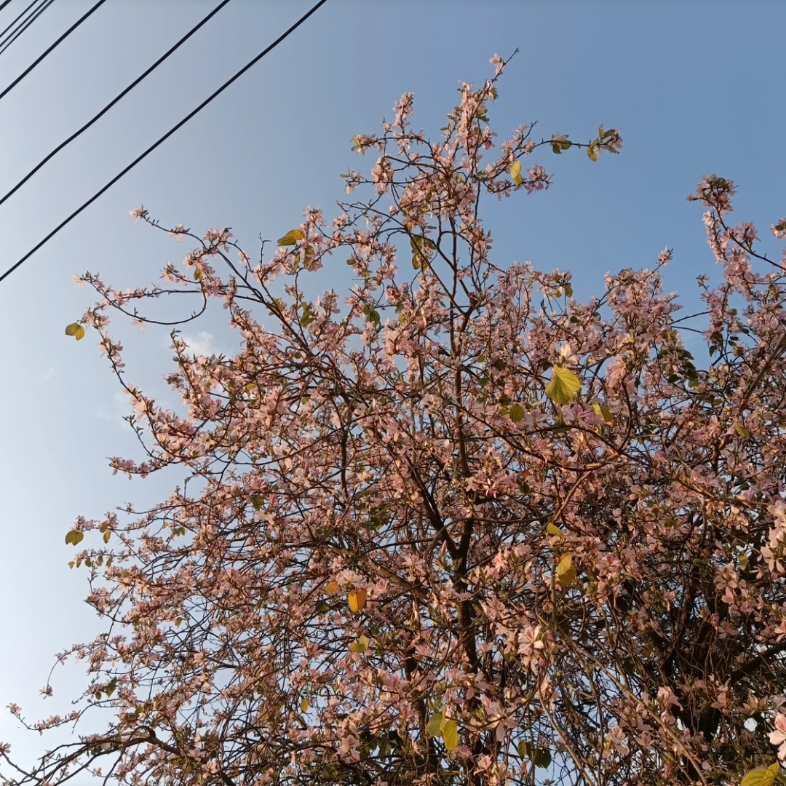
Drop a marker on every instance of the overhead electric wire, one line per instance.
(51, 48)
(163, 139)
(27, 24)
(19, 17)
(4, 4)
(117, 98)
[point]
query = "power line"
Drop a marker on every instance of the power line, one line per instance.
(162, 139)
(54, 46)
(117, 98)
(19, 17)
(4, 4)
(28, 23)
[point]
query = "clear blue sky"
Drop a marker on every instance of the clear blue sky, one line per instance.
(695, 87)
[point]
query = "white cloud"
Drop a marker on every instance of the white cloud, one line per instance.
(201, 344)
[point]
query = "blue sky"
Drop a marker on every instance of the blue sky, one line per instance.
(694, 86)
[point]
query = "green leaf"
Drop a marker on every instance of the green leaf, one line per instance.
(292, 238)
(515, 173)
(308, 315)
(450, 734)
(517, 413)
(372, 315)
(76, 330)
(762, 777)
(542, 758)
(593, 151)
(111, 687)
(603, 412)
(434, 725)
(564, 385)
(74, 538)
(553, 529)
(568, 290)
(419, 244)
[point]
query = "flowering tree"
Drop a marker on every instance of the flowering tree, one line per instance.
(457, 528)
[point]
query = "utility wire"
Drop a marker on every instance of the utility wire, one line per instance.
(162, 139)
(28, 23)
(54, 46)
(117, 98)
(18, 18)
(5, 3)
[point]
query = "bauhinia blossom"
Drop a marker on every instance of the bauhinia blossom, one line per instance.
(452, 525)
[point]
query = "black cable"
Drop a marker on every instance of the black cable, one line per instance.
(54, 46)
(4, 4)
(18, 17)
(161, 140)
(112, 102)
(27, 24)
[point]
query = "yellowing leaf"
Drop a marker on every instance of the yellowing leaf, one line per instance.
(107, 535)
(332, 588)
(357, 600)
(553, 529)
(593, 151)
(434, 726)
(515, 173)
(517, 413)
(360, 646)
(564, 385)
(450, 734)
(762, 777)
(603, 412)
(293, 237)
(566, 571)
(304, 705)
(741, 430)
(76, 330)
(74, 538)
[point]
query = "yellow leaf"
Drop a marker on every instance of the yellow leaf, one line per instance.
(74, 538)
(450, 734)
(332, 588)
(553, 529)
(564, 385)
(762, 777)
(293, 237)
(515, 173)
(304, 705)
(741, 430)
(566, 572)
(76, 330)
(603, 412)
(357, 600)
(360, 646)
(434, 726)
